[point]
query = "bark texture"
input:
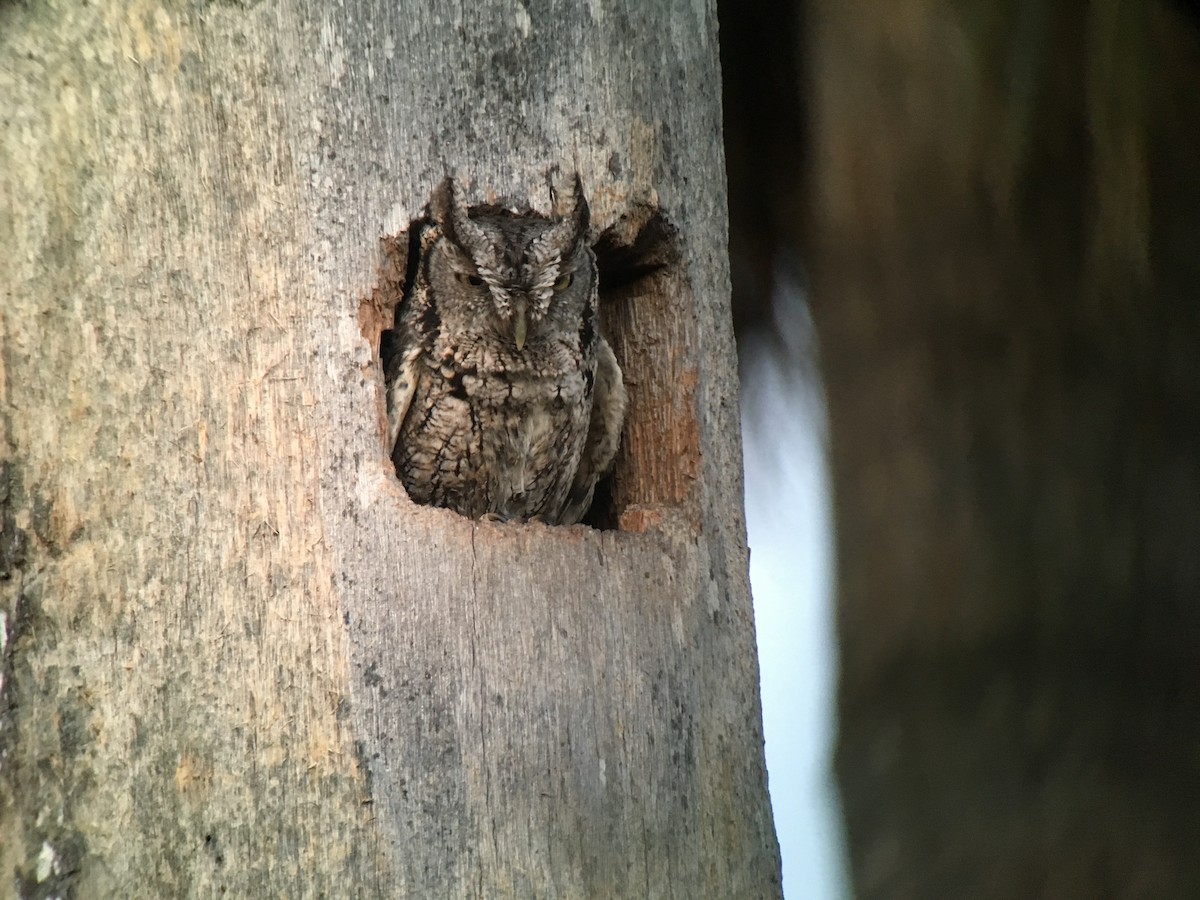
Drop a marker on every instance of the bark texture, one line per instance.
(236, 659)
(1004, 247)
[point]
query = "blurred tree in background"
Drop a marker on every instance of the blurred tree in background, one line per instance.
(998, 204)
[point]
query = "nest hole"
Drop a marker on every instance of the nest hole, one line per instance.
(648, 316)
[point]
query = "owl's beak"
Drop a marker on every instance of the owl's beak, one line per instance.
(520, 324)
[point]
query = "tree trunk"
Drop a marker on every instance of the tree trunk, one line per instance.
(1005, 270)
(237, 660)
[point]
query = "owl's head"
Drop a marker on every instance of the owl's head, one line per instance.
(520, 276)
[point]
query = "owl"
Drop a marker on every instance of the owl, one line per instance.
(504, 400)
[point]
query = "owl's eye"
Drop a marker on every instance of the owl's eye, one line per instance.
(472, 280)
(562, 282)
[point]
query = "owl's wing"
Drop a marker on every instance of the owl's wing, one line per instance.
(410, 342)
(609, 400)
(401, 378)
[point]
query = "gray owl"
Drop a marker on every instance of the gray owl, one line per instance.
(504, 400)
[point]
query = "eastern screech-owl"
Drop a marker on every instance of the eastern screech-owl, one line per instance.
(503, 398)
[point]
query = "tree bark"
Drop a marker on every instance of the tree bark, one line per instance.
(237, 660)
(1004, 246)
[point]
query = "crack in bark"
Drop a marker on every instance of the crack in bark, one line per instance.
(487, 774)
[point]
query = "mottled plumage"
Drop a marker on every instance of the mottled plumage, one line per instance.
(503, 398)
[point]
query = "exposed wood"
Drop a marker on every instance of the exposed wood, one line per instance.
(237, 659)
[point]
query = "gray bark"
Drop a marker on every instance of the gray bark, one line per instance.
(237, 660)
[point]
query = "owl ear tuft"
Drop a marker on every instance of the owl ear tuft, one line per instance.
(441, 202)
(573, 217)
(449, 212)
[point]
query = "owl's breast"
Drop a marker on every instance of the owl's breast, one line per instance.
(495, 432)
